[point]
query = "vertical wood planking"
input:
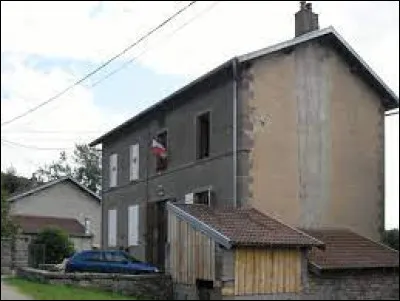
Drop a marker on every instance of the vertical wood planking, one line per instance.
(298, 271)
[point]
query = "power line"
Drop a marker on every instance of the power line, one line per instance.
(101, 66)
(32, 146)
(124, 65)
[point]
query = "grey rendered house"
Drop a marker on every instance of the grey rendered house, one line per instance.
(295, 130)
(63, 203)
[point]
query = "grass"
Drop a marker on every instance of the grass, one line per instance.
(43, 291)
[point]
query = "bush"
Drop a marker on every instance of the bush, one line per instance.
(391, 238)
(56, 244)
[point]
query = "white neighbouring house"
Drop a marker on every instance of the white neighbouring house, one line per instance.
(63, 203)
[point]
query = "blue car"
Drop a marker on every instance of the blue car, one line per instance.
(104, 261)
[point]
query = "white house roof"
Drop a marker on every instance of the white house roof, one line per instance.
(52, 183)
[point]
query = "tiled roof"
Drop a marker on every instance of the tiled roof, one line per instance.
(345, 249)
(247, 226)
(31, 224)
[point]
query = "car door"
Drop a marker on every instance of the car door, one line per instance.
(116, 262)
(92, 262)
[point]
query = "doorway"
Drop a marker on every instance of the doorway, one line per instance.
(157, 227)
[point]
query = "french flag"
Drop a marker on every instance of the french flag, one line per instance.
(158, 149)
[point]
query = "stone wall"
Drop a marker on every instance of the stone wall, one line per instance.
(343, 285)
(20, 252)
(6, 258)
(347, 285)
(154, 286)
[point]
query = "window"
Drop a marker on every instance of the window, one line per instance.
(87, 225)
(89, 256)
(134, 162)
(203, 135)
(115, 257)
(162, 161)
(133, 225)
(113, 170)
(203, 197)
(112, 228)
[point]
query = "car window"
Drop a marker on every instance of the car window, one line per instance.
(115, 257)
(89, 256)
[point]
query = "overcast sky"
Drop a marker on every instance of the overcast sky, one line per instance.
(45, 46)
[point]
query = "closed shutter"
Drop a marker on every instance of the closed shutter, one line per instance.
(133, 225)
(189, 198)
(134, 162)
(113, 170)
(112, 228)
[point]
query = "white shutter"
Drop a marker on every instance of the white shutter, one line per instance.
(133, 225)
(134, 162)
(113, 170)
(189, 198)
(112, 228)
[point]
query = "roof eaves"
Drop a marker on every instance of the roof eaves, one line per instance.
(390, 92)
(35, 189)
(51, 183)
(201, 226)
(289, 43)
(164, 100)
(316, 34)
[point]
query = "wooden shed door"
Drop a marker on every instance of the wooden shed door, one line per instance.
(157, 233)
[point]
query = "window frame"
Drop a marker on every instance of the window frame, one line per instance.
(158, 133)
(197, 134)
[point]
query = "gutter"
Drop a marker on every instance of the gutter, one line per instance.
(234, 131)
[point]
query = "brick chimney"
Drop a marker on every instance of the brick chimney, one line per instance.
(305, 19)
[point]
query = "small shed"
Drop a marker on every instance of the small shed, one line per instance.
(234, 253)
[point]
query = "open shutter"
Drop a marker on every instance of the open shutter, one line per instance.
(133, 225)
(134, 162)
(112, 228)
(113, 170)
(189, 198)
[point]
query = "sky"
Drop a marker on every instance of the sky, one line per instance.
(46, 46)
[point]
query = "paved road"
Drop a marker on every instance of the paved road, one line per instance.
(10, 293)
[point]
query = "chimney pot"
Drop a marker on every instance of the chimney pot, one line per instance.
(305, 19)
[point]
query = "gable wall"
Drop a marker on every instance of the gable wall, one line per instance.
(62, 200)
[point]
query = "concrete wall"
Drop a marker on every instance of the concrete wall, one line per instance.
(357, 155)
(185, 173)
(62, 200)
(268, 114)
(153, 287)
(311, 135)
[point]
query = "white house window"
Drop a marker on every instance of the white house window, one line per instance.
(113, 170)
(87, 225)
(134, 162)
(133, 225)
(112, 228)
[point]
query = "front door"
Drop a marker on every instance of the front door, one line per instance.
(156, 233)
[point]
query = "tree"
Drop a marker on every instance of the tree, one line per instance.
(391, 238)
(8, 228)
(55, 170)
(88, 166)
(56, 243)
(85, 167)
(11, 183)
